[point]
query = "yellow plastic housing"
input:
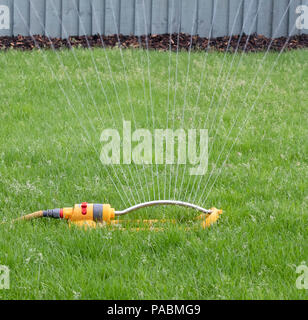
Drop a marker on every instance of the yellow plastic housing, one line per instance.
(77, 214)
(108, 213)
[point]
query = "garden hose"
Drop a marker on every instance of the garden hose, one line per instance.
(93, 214)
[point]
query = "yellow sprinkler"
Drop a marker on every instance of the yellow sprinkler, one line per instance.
(93, 215)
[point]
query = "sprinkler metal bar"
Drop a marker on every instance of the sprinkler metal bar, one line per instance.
(162, 203)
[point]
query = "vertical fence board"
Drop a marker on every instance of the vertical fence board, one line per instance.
(220, 25)
(6, 18)
(143, 17)
(205, 11)
(139, 20)
(174, 9)
(250, 18)
(236, 17)
(265, 16)
(304, 31)
(160, 17)
(127, 17)
(98, 16)
(69, 18)
(21, 24)
(53, 18)
(85, 14)
(148, 4)
(280, 19)
(112, 11)
(37, 17)
(293, 16)
(189, 16)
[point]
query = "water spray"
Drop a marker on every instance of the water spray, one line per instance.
(93, 214)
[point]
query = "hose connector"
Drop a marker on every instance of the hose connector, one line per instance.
(53, 213)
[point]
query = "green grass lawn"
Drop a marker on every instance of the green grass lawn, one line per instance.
(49, 158)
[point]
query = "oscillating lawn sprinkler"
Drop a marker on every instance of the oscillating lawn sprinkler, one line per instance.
(93, 215)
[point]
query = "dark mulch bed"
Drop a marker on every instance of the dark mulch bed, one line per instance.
(159, 42)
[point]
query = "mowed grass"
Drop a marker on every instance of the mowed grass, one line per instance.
(53, 110)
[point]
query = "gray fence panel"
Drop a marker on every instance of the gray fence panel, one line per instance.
(69, 18)
(127, 17)
(6, 18)
(221, 21)
(112, 16)
(205, 15)
(304, 31)
(37, 17)
(140, 26)
(21, 24)
(160, 17)
(250, 16)
(265, 18)
(63, 18)
(174, 10)
(98, 16)
(143, 17)
(189, 16)
(293, 17)
(236, 17)
(85, 18)
(280, 18)
(53, 18)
